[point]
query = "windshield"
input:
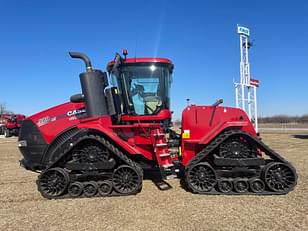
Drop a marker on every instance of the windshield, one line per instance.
(146, 88)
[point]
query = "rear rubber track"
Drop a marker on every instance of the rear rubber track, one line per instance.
(218, 187)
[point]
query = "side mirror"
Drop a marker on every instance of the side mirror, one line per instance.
(78, 98)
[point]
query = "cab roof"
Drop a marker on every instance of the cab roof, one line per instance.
(142, 60)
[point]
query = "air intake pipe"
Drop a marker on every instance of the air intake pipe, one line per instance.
(93, 83)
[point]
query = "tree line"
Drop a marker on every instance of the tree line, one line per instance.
(273, 119)
(3, 109)
(284, 119)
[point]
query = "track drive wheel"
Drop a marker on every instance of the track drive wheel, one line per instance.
(237, 147)
(126, 180)
(53, 182)
(279, 177)
(201, 178)
(104, 187)
(90, 151)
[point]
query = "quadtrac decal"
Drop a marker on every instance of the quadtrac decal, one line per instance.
(43, 121)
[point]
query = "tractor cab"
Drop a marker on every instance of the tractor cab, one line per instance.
(143, 85)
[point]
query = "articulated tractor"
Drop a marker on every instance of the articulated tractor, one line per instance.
(10, 124)
(105, 140)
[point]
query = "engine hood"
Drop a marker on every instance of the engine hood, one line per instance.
(55, 120)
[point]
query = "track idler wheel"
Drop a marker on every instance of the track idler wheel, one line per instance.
(240, 185)
(90, 188)
(201, 178)
(104, 187)
(280, 177)
(256, 185)
(237, 147)
(225, 185)
(75, 189)
(53, 182)
(126, 180)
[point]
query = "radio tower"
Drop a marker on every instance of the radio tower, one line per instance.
(246, 89)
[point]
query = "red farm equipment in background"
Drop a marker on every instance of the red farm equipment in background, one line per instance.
(10, 124)
(107, 138)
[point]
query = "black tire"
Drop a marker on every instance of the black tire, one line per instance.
(126, 180)
(7, 133)
(201, 178)
(90, 188)
(279, 177)
(75, 189)
(104, 187)
(256, 185)
(53, 182)
(240, 185)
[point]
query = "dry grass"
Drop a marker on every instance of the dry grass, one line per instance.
(22, 207)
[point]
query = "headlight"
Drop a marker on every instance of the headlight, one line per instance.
(22, 143)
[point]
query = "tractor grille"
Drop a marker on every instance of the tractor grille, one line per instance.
(30, 133)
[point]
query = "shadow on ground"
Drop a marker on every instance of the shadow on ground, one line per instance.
(299, 136)
(157, 179)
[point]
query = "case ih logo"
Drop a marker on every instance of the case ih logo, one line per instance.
(76, 112)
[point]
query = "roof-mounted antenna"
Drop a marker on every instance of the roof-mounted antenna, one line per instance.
(136, 48)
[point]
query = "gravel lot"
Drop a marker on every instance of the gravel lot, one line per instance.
(22, 207)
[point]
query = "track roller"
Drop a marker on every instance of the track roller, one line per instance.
(90, 188)
(75, 189)
(104, 187)
(256, 185)
(240, 185)
(225, 185)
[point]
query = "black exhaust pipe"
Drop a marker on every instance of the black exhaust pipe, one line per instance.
(93, 83)
(85, 58)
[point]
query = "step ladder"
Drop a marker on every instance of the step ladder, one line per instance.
(163, 155)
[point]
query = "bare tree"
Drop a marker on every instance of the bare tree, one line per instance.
(284, 119)
(2, 108)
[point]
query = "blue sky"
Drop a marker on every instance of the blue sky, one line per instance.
(199, 36)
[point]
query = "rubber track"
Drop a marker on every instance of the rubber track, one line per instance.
(112, 149)
(223, 137)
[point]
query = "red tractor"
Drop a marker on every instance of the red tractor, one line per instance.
(105, 139)
(10, 124)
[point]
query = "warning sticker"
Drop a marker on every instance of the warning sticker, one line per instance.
(186, 134)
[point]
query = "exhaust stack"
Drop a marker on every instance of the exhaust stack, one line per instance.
(93, 83)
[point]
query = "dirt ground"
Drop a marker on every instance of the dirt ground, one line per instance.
(23, 208)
